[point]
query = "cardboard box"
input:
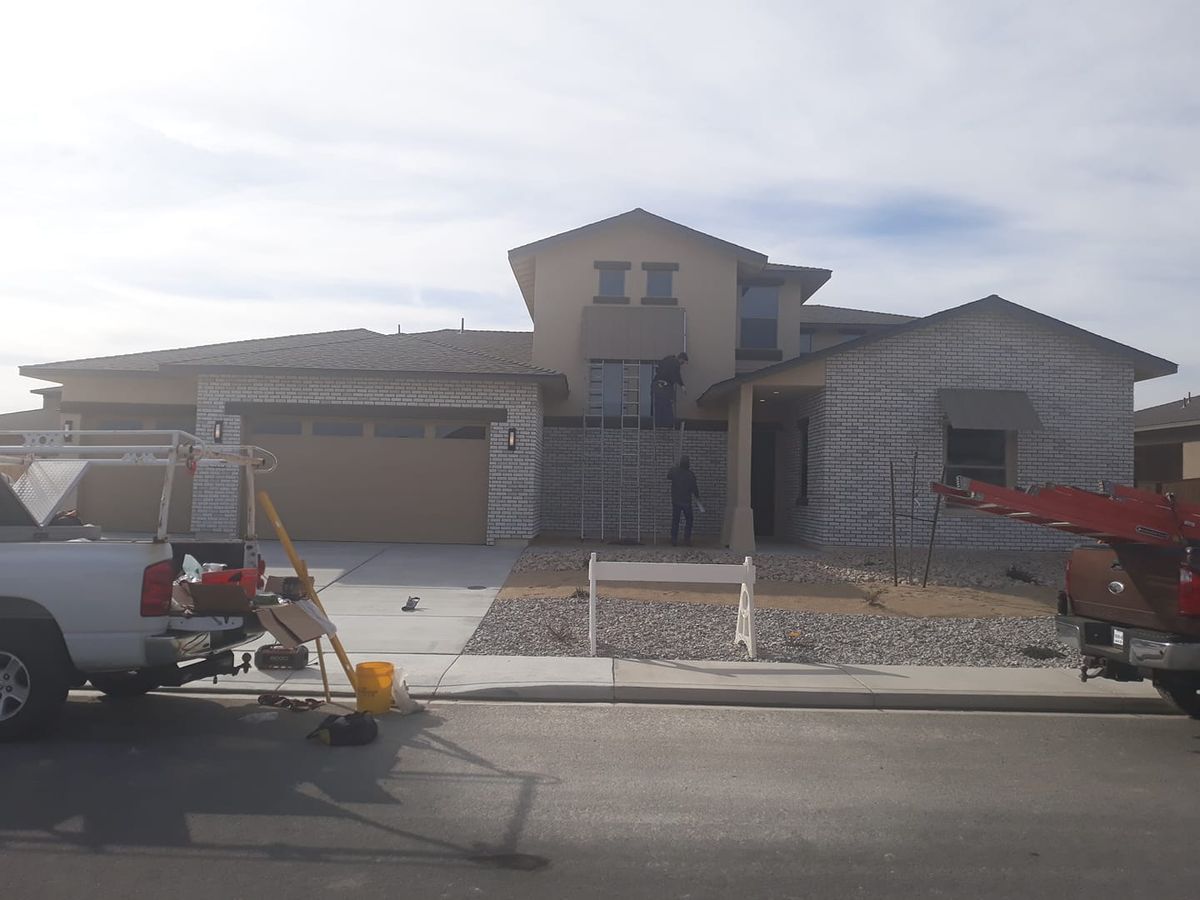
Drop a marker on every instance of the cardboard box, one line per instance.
(293, 624)
(286, 586)
(212, 599)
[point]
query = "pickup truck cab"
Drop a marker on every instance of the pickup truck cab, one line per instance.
(1133, 612)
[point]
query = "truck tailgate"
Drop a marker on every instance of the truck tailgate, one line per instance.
(1130, 584)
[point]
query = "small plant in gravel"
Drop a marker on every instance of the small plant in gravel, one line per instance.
(559, 633)
(871, 598)
(1016, 573)
(579, 594)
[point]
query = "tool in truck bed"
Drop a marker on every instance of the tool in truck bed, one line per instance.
(1118, 514)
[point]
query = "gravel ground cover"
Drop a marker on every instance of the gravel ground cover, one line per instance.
(957, 568)
(702, 632)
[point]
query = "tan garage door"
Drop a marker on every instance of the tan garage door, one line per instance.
(376, 480)
(126, 498)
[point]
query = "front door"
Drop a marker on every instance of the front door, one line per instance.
(762, 479)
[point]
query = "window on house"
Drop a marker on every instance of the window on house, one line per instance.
(806, 340)
(610, 378)
(983, 455)
(758, 312)
(398, 430)
(658, 283)
(802, 449)
(175, 425)
(120, 425)
(461, 432)
(612, 283)
(337, 429)
(278, 426)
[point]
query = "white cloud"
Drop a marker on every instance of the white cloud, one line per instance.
(176, 174)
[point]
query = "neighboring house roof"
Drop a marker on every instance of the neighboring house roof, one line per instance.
(522, 259)
(150, 361)
(814, 314)
(1168, 415)
(1145, 365)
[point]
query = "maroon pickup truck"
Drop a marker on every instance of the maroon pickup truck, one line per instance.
(1133, 611)
(1132, 603)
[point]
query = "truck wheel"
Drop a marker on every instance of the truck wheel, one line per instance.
(1181, 690)
(123, 685)
(34, 678)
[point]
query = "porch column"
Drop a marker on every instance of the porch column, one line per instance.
(738, 531)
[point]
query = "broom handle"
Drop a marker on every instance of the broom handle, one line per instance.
(264, 501)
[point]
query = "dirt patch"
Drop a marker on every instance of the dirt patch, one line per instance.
(872, 600)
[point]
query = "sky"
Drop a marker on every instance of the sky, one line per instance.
(176, 174)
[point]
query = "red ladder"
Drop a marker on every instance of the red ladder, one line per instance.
(1119, 514)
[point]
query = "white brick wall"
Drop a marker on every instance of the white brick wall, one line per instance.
(880, 403)
(514, 477)
(562, 484)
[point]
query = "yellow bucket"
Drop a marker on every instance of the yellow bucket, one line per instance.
(374, 691)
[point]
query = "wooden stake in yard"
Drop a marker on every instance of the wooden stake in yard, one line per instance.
(268, 507)
(320, 648)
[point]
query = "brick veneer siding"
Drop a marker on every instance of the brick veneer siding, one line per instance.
(514, 477)
(562, 482)
(880, 403)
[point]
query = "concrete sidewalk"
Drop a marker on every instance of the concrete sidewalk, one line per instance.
(603, 680)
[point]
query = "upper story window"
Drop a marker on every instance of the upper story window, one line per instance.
(658, 283)
(660, 278)
(758, 314)
(610, 282)
(806, 340)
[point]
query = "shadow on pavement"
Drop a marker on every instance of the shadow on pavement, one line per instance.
(166, 774)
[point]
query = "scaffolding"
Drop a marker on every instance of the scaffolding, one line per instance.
(619, 431)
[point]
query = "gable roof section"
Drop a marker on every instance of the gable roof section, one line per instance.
(151, 360)
(1145, 364)
(524, 263)
(1168, 415)
(636, 215)
(814, 314)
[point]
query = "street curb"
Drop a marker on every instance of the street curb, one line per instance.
(681, 695)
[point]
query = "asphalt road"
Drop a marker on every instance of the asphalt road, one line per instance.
(180, 797)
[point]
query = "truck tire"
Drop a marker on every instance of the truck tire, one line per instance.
(1181, 690)
(35, 674)
(124, 685)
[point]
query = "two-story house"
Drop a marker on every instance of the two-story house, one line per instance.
(792, 415)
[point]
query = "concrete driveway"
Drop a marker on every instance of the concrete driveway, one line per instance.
(364, 586)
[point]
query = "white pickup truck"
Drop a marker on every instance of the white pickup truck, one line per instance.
(74, 611)
(100, 611)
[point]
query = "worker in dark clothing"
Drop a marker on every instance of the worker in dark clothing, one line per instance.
(667, 374)
(683, 489)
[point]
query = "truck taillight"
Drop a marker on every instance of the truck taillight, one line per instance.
(1069, 594)
(157, 583)
(1189, 591)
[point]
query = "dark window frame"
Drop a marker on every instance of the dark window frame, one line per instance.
(804, 448)
(417, 432)
(758, 322)
(985, 464)
(272, 426)
(460, 432)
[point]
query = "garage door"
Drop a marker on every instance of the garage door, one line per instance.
(126, 498)
(343, 479)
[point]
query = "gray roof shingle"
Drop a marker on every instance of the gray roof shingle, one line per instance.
(1177, 412)
(815, 314)
(514, 345)
(151, 360)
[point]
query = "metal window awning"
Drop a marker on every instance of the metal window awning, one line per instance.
(992, 410)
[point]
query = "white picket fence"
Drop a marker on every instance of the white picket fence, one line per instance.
(677, 573)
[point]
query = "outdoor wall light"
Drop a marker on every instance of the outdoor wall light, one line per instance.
(218, 431)
(68, 425)
(512, 439)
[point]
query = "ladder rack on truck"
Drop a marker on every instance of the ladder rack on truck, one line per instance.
(54, 462)
(1119, 513)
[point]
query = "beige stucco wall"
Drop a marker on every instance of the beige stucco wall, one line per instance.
(1191, 459)
(705, 284)
(149, 388)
